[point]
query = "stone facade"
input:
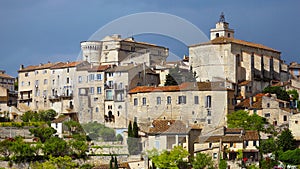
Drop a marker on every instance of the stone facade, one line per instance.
(200, 103)
(225, 57)
(6, 81)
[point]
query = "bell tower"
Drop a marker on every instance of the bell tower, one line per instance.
(222, 29)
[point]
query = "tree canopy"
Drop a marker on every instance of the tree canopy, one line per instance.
(242, 119)
(286, 141)
(280, 93)
(202, 161)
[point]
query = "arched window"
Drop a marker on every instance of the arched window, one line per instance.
(169, 100)
(217, 35)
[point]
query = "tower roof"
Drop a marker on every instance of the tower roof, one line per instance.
(222, 17)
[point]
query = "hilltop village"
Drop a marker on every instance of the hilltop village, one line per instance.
(226, 100)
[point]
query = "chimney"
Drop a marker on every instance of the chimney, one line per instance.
(21, 67)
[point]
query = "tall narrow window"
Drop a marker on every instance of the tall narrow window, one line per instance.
(68, 80)
(208, 101)
(99, 90)
(158, 100)
(135, 101)
(169, 101)
(144, 101)
(92, 90)
(196, 99)
(181, 99)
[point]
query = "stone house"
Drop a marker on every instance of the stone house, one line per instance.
(202, 103)
(226, 143)
(276, 111)
(7, 81)
(237, 61)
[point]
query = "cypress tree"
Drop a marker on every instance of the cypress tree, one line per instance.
(116, 163)
(130, 132)
(135, 130)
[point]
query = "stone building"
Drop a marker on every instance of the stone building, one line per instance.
(114, 49)
(7, 81)
(277, 112)
(194, 103)
(225, 57)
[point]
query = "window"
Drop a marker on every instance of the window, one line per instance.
(26, 74)
(135, 101)
(246, 143)
(45, 71)
(22, 83)
(97, 109)
(181, 99)
(296, 121)
(68, 80)
(36, 72)
(158, 100)
(28, 83)
(144, 101)
(45, 81)
(254, 143)
(53, 82)
(208, 101)
(228, 35)
(217, 35)
(37, 82)
(231, 144)
(92, 90)
(268, 105)
(208, 121)
(99, 90)
(79, 79)
(196, 99)
(68, 70)
(267, 115)
(284, 118)
(215, 155)
(99, 77)
(92, 77)
(210, 145)
(169, 100)
(208, 113)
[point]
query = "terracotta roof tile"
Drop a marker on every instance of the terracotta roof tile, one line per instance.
(244, 83)
(233, 135)
(65, 65)
(187, 86)
(37, 67)
(168, 127)
(6, 76)
(255, 104)
(225, 40)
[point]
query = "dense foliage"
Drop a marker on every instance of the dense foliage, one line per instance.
(43, 115)
(202, 161)
(96, 130)
(242, 119)
(280, 93)
(133, 140)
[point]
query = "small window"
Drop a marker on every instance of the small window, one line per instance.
(208, 113)
(268, 105)
(296, 122)
(68, 70)
(144, 101)
(99, 91)
(210, 145)
(228, 35)
(215, 155)
(181, 99)
(79, 79)
(68, 80)
(97, 109)
(231, 144)
(217, 35)
(284, 118)
(158, 100)
(208, 101)
(99, 77)
(254, 143)
(45, 81)
(246, 143)
(92, 77)
(92, 90)
(196, 99)
(169, 100)
(267, 115)
(208, 121)
(135, 101)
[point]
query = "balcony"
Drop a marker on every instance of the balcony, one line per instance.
(53, 97)
(67, 96)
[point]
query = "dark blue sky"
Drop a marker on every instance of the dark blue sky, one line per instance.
(35, 31)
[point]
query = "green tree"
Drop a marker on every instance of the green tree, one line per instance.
(268, 146)
(47, 115)
(5, 148)
(55, 146)
(170, 81)
(74, 126)
(223, 164)
(130, 132)
(286, 141)
(78, 145)
(202, 161)
(64, 162)
(22, 151)
(172, 159)
(119, 138)
(116, 163)
(291, 157)
(280, 93)
(135, 130)
(242, 119)
(43, 133)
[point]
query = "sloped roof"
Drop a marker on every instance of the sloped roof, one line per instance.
(187, 86)
(61, 119)
(65, 65)
(6, 76)
(168, 127)
(233, 135)
(37, 67)
(225, 40)
(255, 104)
